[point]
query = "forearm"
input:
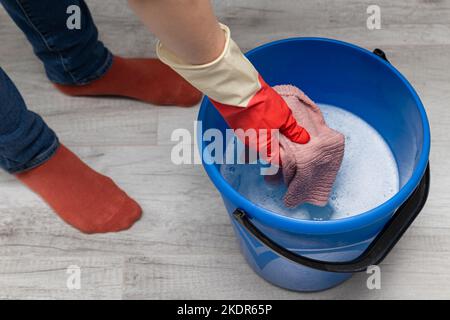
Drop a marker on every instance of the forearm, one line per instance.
(188, 28)
(196, 46)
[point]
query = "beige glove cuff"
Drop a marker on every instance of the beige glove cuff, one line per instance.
(230, 79)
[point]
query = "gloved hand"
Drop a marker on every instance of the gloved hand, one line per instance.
(241, 96)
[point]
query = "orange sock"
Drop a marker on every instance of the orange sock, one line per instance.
(147, 80)
(82, 197)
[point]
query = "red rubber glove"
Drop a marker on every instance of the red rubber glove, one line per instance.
(266, 110)
(241, 96)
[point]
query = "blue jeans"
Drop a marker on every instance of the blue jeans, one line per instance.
(74, 57)
(25, 140)
(69, 56)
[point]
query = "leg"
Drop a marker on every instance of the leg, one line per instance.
(79, 64)
(69, 56)
(25, 139)
(30, 150)
(188, 28)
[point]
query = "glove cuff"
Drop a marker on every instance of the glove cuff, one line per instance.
(230, 79)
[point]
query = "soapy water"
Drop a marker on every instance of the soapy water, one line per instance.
(367, 178)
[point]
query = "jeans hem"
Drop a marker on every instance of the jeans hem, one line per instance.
(39, 160)
(97, 75)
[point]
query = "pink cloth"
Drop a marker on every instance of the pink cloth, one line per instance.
(309, 170)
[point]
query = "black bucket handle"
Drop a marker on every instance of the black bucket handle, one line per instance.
(377, 250)
(380, 246)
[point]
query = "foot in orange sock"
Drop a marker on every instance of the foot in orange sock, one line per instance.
(82, 197)
(147, 80)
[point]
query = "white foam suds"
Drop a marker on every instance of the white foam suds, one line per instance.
(368, 176)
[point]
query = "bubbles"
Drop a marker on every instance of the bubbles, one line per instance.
(368, 176)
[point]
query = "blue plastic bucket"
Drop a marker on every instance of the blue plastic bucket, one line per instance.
(308, 255)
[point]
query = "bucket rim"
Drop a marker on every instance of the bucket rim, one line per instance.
(278, 221)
